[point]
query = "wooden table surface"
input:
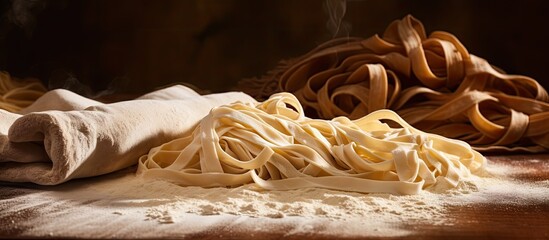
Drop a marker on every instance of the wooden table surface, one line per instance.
(495, 220)
(490, 220)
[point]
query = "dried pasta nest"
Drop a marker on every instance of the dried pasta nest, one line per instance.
(432, 82)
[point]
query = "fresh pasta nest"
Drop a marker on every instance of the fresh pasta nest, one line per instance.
(432, 82)
(16, 95)
(273, 145)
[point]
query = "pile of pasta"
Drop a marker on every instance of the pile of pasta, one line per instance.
(273, 145)
(432, 82)
(17, 94)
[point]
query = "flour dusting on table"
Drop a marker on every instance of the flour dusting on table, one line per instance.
(123, 205)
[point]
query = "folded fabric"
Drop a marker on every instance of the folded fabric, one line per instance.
(59, 99)
(77, 137)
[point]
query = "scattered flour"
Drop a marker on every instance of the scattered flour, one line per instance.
(308, 203)
(134, 207)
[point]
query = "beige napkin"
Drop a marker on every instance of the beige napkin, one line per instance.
(63, 136)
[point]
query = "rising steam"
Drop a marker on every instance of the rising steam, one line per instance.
(23, 13)
(336, 10)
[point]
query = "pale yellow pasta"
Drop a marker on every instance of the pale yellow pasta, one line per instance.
(18, 94)
(433, 82)
(276, 147)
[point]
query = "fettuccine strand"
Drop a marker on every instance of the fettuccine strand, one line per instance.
(432, 82)
(276, 147)
(18, 94)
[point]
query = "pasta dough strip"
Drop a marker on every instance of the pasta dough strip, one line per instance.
(16, 95)
(432, 82)
(273, 145)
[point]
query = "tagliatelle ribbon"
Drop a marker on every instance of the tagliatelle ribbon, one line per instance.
(275, 146)
(16, 95)
(432, 82)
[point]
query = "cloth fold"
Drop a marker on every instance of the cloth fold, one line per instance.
(54, 143)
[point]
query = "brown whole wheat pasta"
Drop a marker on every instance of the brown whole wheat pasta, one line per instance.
(432, 82)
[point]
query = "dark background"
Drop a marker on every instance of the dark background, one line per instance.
(134, 46)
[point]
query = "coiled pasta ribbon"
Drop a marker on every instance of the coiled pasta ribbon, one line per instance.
(275, 146)
(432, 82)
(16, 95)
